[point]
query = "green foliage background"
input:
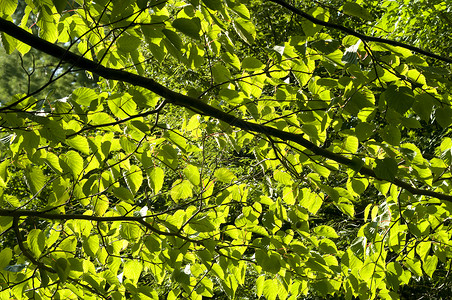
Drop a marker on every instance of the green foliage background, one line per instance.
(237, 149)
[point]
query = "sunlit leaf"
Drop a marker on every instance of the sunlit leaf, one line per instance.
(181, 190)
(224, 175)
(156, 176)
(192, 173)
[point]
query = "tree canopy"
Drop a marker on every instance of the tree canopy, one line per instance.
(225, 149)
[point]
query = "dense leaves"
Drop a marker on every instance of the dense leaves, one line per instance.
(230, 149)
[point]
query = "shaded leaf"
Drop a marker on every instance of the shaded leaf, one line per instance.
(386, 168)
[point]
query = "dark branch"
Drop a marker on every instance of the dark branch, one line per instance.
(359, 35)
(194, 104)
(16, 214)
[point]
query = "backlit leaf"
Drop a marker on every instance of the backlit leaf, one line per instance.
(133, 178)
(192, 174)
(245, 29)
(156, 176)
(132, 270)
(181, 190)
(326, 231)
(224, 175)
(5, 257)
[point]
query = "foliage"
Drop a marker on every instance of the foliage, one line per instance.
(230, 149)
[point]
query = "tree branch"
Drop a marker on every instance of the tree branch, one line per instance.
(359, 35)
(197, 105)
(16, 214)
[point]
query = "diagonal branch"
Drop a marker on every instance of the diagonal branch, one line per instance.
(359, 35)
(194, 104)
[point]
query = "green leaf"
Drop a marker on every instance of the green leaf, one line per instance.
(5, 223)
(346, 206)
(311, 201)
(231, 59)
(182, 189)
(102, 118)
(7, 8)
(72, 162)
(386, 168)
(317, 266)
(100, 204)
(327, 246)
(122, 105)
(430, 265)
(260, 283)
(354, 9)
(282, 177)
(245, 29)
(61, 266)
(232, 96)
(358, 101)
(326, 231)
(152, 244)
(158, 51)
(252, 64)
(220, 73)
(9, 43)
(224, 175)
(321, 170)
(5, 257)
(310, 28)
(133, 178)
(156, 176)
(177, 138)
(213, 4)
(128, 43)
(79, 143)
(270, 289)
(60, 5)
(391, 135)
(241, 10)
(47, 22)
(414, 265)
(130, 231)
(143, 98)
(192, 174)
(35, 179)
(443, 116)
(269, 263)
(84, 96)
(36, 241)
(122, 193)
(4, 173)
(190, 27)
(173, 38)
(351, 144)
(423, 106)
(132, 270)
(399, 99)
(91, 245)
(53, 131)
(53, 161)
(202, 224)
(358, 246)
(180, 276)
